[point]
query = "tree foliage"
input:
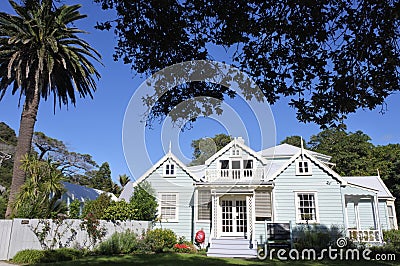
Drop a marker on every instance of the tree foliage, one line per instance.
(204, 148)
(71, 164)
(351, 152)
(143, 201)
(101, 178)
(328, 57)
(295, 141)
(40, 196)
(355, 155)
(119, 211)
(41, 57)
(95, 208)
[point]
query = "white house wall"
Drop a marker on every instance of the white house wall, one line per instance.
(366, 214)
(328, 194)
(383, 218)
(183, 185)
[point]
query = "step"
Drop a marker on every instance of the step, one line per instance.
(252, 252)
(232, 248)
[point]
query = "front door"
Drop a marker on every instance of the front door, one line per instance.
(234, 217)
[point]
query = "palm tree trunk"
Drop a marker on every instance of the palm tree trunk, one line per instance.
(26, 127)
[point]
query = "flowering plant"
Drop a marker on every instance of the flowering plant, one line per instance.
(184, 248)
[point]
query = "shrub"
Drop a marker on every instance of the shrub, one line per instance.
(30, 256)
(159, 239)
(392, 242)
(119, 243)
(119, 210)
(74, 209)
(315, 237)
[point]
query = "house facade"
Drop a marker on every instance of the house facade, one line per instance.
(238, 191)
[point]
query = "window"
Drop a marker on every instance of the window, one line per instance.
(263, 206)
(224, 164)
(306, 207)
(204, 205)
(303, 167)
(168, 207)
(392, 224)
(235, 152)
(169, 169)
(235, 164)
(248, 164)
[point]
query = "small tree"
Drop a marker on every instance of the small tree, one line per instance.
(74, 209)
(40, 196)
(144, 202)
(96, 207)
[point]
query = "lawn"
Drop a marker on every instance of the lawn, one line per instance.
(174, 259)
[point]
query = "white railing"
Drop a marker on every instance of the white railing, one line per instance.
(234, 174)
(364, 235)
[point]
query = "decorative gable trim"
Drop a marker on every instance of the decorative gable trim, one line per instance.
(310, 157)
(168, 156)
(240, 144)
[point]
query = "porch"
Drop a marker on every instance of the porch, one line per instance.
(362, 219)
(234, 175)
(233, 219)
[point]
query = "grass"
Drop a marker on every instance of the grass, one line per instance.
(175, 259)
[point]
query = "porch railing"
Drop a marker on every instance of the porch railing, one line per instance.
(234, 174)
(364, 235)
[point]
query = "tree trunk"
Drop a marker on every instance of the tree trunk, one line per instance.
(26, 127)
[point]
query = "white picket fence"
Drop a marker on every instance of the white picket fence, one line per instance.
(18, 234)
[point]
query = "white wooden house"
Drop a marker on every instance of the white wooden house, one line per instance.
(238, 190)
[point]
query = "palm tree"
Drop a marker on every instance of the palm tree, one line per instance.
(40, 56)
(123, 180)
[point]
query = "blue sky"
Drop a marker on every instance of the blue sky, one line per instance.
(95, 126)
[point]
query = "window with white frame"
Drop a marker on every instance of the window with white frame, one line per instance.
(306, 207)
(169, 169)
(204, 205)
(235, 152)
(392, 224)
(303, 167)
(168, 207)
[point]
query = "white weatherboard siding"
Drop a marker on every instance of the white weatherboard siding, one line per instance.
(383, 218)
(260, 232)
(351, 215)
(329, 199)
(183, 185)
(366, 214)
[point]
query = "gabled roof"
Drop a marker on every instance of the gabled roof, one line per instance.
(372, 182)
(83, 193)
(129, 188)
(312, 158)
(239, 143)
(167, 156)
(287, 150)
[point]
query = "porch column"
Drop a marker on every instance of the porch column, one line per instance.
(250, 217)
(214, 218)
(375, 204)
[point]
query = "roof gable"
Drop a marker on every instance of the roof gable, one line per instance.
(168, 156)
(310, 157)
(236, 143)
